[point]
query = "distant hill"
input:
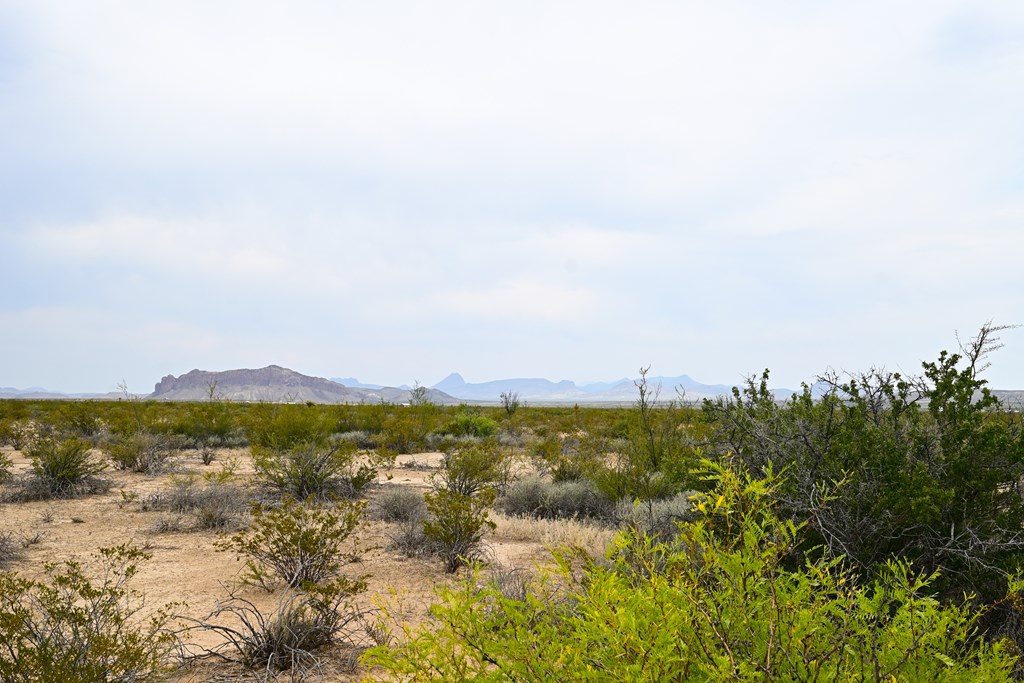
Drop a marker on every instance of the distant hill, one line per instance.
(275, 384)
(620, 391)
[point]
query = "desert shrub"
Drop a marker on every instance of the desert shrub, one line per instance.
(471, 469)
(5, 467)
(406, 510)
(65, 627)
(403, 433)
(285, 427)
(215, 505)
(285, 639)
(312, 469)
(659, 519)
(537, 497)
(140, 451)
(457, 525)
(10, 549)
(17, 433)
(78, 418)
(717, 604)
(62, 468)
(295, 542)
(931, 470)
(362, 440)
(398, 504)
(468, 424)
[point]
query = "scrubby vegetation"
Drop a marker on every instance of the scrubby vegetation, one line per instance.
(869, 527)
(66, 627)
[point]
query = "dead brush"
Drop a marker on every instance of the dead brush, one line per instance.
(288, 638)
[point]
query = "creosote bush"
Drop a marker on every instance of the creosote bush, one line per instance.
(61, 468)
(315, 469)
(457, 525)
(297, 543)
(140, 451)
(66, 627)
(471, 469)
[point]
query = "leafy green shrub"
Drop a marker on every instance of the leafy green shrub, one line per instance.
(403, 433)
(63, 468)
(287, 639)
(468, 424)
(78, 418)
(297, 543)
(457, 525)
(284, 427)
(471, 469)
(65, 627)
(17, 433)
(311, 469)
(717, 604)
(140, 451)
(931, 471)
(5, 467)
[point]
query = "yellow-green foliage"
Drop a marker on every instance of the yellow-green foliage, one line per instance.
(299, 543)
(65, 627)
(719, 604)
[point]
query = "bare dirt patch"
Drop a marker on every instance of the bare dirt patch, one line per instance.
(186, 567)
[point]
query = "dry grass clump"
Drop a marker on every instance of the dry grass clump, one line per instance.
(593, 539)
(214, 506)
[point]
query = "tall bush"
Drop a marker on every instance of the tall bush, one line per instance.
(718, 604)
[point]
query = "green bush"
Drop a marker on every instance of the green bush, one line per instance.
(63, 467)
(17, 433)
(457, 524)
(297, 543)
(717, 604)
(930, 467)
(468, 424)
(471, 469)
(5, 467)
(65, 627)
(312, 469)
(285, 427)
(140, 451)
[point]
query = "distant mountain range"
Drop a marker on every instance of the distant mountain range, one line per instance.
(277, 384)
(567, 391)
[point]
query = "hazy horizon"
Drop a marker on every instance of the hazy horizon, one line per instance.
(395, 191)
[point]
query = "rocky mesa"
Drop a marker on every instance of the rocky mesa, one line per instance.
(274, 384)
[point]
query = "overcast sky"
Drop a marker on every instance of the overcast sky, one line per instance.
(399, 190)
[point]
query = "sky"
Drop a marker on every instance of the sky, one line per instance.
(399, 190)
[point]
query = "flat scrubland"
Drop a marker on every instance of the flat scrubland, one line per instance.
(147, 499)
(874, 532)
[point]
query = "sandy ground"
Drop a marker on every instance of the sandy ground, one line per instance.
(186, 567)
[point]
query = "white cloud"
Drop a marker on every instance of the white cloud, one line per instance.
(518, 300)
(349, 172)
